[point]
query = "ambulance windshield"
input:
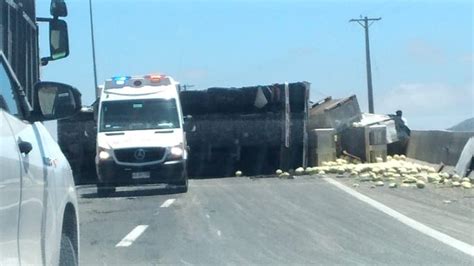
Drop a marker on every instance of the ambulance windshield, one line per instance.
(139, 115)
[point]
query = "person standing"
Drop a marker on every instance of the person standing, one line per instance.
(399, 113)
(403, 133)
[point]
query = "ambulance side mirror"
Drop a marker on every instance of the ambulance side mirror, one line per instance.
(188, 125)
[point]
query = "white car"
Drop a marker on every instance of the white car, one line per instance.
(38, 204)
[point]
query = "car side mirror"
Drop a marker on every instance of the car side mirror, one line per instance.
(58, 41)
(53, 100)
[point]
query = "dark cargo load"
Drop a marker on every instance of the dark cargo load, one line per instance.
(253, 129)
(246, 100)
(77, 138)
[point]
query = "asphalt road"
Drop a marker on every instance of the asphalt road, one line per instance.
(259, 221)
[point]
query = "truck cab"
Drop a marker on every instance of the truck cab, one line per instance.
(140, 134)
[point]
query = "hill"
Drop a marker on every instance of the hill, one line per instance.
(466, 125)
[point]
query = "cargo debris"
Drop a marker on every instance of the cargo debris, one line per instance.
(394, 171)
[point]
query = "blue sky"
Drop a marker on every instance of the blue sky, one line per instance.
(422, 51)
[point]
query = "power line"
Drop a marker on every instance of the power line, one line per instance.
(366, 26)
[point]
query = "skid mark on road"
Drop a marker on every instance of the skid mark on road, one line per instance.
(446, 239)
(167, 203)
(132, 236)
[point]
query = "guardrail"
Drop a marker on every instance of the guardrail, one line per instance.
(435, 146)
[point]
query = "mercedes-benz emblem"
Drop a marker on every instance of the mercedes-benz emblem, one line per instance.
(139, 154)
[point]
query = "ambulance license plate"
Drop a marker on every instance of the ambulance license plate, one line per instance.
(140, 175)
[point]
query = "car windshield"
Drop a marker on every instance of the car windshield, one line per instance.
(139, 115)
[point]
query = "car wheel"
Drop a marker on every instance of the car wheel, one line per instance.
(104, 190)
(180, 187)
(67, 256)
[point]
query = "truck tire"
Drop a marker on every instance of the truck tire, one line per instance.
(104, 190)
(67, 255)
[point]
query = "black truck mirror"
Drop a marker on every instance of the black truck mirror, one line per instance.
(58, 39)
(55, 100)
(58, 8)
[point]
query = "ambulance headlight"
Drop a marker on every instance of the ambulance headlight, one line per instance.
(104, 155)
(176, 153)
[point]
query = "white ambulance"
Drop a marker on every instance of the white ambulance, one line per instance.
(140, 136)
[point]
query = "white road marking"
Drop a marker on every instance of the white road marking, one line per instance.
(167, 203)
(208, 216)
(446, 239)
(132, 236)
(219, 233)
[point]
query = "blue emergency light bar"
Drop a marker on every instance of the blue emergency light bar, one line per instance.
(120, 80)
(138, 81)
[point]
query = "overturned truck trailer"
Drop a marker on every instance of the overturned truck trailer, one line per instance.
(77, 139)
(252, 129)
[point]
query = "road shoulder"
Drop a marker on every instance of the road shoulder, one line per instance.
(448, 210)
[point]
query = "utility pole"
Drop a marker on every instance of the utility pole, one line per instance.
(96, 87)
(366, 26)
